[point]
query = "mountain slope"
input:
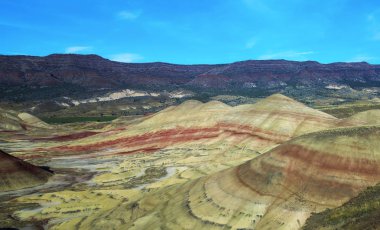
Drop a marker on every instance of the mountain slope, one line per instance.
(277, 190)
(361, 212)
(90, 71)
(17, 174)
(81, 73)
(265, 126)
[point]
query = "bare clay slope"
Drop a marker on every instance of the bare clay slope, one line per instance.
(277, 190)
(267, 123)
(194, 142)
(18, 174)
(14, 121)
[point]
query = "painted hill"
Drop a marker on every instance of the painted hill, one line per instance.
(207, 166)
(9, 120)
(14, 121)
(17, 174)
(277, 190)
(32, 121)
(265, 124)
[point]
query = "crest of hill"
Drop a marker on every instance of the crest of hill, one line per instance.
(275, 117)
(274, 105)
(369, 117)
(14, 121)
(33, 121)
(278, 189)
(281, 114)
(9, 120)
(17, 174)
(271, 121)
(312, 172)
(189, 113)
(277, 103)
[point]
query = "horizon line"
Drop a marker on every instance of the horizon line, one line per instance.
(164, 62)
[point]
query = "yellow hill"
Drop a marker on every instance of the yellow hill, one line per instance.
(369, 117)
(277, 190)
(13, 121)
(9, 121)
(202, 148)
(32, 121)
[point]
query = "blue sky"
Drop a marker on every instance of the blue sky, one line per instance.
(194, 31)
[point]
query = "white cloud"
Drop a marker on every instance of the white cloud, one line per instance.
(128, 15)
(286, 55)
(77, 49)
(126, 57)
(360, 58)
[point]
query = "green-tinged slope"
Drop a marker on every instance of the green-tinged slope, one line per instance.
(361, 212)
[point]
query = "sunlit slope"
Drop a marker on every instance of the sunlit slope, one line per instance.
(9, 120)
(293, 117)
(193, 150)
(369, 117)
(30, 120)
(277, 190)
(17, 174)
(267, 123)
(13, 121)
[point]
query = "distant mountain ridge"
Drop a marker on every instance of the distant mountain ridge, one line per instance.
(92, 72)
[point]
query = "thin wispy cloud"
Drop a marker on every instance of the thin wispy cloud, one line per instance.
(374, 24)
(370, 17)
(376, 36)
(128, 15)
(126, 57)
(258, 6)
(251, 43)
(361, 58)
(298, 55)
(77, 49)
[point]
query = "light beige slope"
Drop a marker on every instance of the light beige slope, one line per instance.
(32, 121)
(13, 121)
(369, 117)
(9, 121)
(283, 115)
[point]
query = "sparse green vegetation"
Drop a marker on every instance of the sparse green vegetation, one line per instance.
(7, 220)
(149, 176)
(361, 212)
(65, 120)
(346, 111)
